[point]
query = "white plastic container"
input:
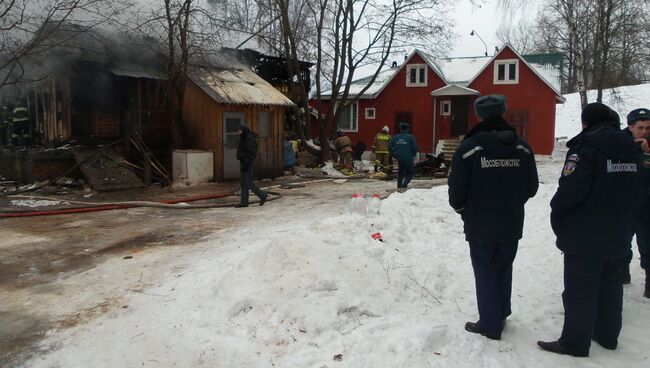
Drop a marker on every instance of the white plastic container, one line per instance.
(192, 166)
(374, 205)
(358, 205)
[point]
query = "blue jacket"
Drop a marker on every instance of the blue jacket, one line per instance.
(492, 175)
(403, 147)
(591, 212)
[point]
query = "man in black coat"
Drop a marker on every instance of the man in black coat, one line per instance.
(591, 217)
(246, 154)
(492, 175)
(638, 128)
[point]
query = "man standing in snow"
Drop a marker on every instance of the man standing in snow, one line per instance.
(403, 147)
(591, 215)
(638, 127)
(380, 148)
(246, 154)
(492, 175)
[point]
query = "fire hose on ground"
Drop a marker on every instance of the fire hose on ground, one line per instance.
(179, 204)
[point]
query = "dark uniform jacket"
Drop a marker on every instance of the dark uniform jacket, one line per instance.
(247, 149)
(403, 146)
(493, 174)
(591, 212)
(642, 202)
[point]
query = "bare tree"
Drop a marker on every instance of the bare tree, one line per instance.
(28, 26)
(606, 42)
(185, 34)
(521, 36)
(352, 34)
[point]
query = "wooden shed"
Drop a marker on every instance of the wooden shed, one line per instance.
(218, 101)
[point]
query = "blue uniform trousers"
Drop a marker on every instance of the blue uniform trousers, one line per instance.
(492, 264)
(405, 172)
(593, 303)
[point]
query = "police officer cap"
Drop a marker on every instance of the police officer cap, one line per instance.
(490, 105)
(596, 112)
(638, 115)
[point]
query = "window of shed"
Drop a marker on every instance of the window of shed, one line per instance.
(370, 113)
(416, 75)
(506, 71)
(264, 124)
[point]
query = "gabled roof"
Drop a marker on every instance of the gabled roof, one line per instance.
(237, 85)
(454, 90)
(545, 75)
(384, 78)
(455, 71)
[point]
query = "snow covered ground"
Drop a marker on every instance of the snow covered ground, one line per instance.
(623, 100)
(301, 283)
(310, 288)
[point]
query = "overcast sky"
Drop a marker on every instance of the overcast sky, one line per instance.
(485, 20)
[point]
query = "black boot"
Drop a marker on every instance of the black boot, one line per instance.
(557, 348)
(474, 327)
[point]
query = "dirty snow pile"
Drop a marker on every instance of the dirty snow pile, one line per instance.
(329, 169)
(318, 291)
(622, 100)
(34, 203)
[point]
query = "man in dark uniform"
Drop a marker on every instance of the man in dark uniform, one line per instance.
(246, 154)
(404, 148)
(492, 175)
(591, 217)
(638, 127)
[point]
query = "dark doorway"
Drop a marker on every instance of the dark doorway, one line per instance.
(519, 120)
(403, 117)
(459, 116)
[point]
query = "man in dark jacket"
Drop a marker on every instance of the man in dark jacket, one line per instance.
(591, 217)
(492, 175)
(403, 147)
(246, 154)
(638, 128)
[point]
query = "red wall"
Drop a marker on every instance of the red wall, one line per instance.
(397, 97)
(531, 95)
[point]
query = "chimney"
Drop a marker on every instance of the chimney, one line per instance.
(394, 65)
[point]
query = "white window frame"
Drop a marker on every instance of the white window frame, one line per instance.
(417, 67)
(507, 63)
(264, 124)
(372, 111)
(444, 103)
(354, 119)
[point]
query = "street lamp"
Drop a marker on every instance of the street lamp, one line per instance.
(474, 33)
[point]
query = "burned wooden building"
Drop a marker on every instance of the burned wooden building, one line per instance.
(98, 89)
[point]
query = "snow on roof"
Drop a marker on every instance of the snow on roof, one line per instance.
(458, 70)
(237, 85)
(551, 74)
(454, 90)
(356, 86)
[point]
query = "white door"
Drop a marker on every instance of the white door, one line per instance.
(231, 123)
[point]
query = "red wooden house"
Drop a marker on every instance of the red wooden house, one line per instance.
(436, 96)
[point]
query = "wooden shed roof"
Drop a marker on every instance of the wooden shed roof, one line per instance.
(237, 85)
